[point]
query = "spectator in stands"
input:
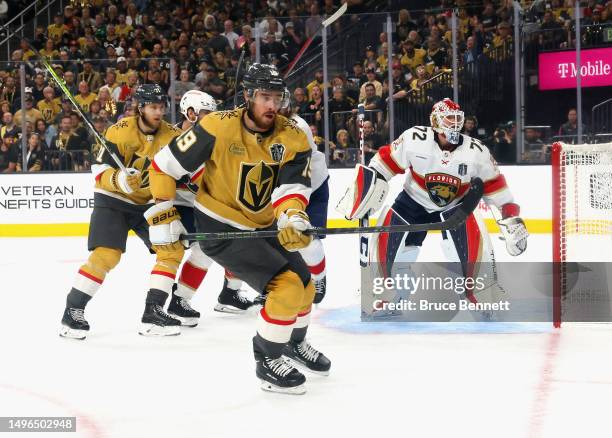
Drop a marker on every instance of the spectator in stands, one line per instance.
(552, 34)
(292, 40)
(370, 57)
(340, 153)
(35, 155)
(66, 111)
(570, 128)
(245, 38)
(56, 30)
(371, 140)
(317, 82)
(39, 87)
(89, 75)
(504, 143)
(64, 142)
(502, 42)
(183, 85)
(371, 76)
(214, 86)
(273, 51)
(10, 93)
(46, 132)
(49, 106)
(85, 97)
(70, 82)
(472, 53)
(372, 101)
(300, 101)
(470, 127)
(488, 18)
(229, 34)
(404, 25)
(9, 128)
(110, 82)
(411, 56)
(8, 155)
(31, 113)
(436, 57)
(314, 22)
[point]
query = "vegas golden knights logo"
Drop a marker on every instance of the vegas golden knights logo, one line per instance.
(257, 181)
(442, 188)
(142, 164)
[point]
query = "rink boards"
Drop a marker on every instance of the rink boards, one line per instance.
(59, 204)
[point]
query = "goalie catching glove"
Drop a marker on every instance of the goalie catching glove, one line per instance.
(165, 227)
(513, 230)
(365, 195)
(291, 225)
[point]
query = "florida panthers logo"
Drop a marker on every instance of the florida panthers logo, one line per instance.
(256, 183)
(442, 188)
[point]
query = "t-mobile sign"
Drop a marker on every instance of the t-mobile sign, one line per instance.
(558, 69)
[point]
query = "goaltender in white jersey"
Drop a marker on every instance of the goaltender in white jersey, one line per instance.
(439, 163)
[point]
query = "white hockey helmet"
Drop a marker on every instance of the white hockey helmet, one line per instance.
(198, 101)
(447, 118)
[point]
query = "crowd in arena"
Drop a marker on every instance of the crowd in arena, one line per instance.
(103, 51)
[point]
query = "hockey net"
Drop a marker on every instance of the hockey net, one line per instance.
(582, 212)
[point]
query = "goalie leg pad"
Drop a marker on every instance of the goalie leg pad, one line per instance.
(365, 195)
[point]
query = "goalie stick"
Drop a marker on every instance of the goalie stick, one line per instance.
(467, 206)
(328, 21)
(365, 220)
(60, 82)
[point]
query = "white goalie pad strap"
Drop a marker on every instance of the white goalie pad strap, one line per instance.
(365, 195)
(274, 330)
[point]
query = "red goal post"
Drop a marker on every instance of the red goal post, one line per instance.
(582, 211)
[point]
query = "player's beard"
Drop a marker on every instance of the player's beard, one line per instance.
(153, 126)
(263, 123)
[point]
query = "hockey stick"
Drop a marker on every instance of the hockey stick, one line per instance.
(365, 220)
(328, 21)
(238, 67)
(60, 82)
(467, 206)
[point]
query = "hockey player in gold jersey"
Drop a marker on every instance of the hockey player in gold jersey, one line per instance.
(120, 199)
(257, 177)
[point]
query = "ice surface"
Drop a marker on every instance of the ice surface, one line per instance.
(387, 379)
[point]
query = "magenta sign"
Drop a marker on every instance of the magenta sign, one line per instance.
(558, 69)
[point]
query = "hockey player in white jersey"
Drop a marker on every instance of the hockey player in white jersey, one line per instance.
(439, 163)
(194, 105)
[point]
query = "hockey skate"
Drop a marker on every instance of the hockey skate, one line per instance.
(156, 322)
(74, 324)
(232, 301)
(181, 309)
(307, 357)
(278, 375)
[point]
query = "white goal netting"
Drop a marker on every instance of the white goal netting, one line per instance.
(583, 204)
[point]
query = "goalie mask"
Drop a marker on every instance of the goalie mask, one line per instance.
(447, 118)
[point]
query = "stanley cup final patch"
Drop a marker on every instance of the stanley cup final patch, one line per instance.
(277, 152)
